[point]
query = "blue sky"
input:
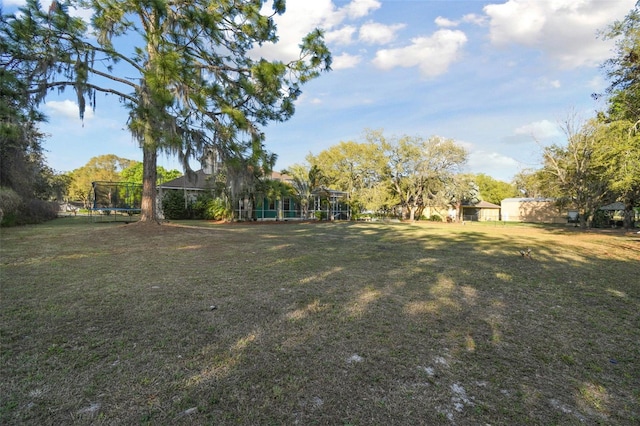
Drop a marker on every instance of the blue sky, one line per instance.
(496, 76)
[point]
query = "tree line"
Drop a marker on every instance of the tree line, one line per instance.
(399, 176)
(186, 74)
(193, 87)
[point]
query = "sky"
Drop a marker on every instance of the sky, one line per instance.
(498, 77)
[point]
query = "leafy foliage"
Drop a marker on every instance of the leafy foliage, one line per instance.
(191, 84)
(493, 190)
(174, 206)
(623, 69)
(134, 173)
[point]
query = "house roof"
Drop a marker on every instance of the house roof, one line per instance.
(528, 200)
(281, 177)
(198, 181)
(486, 205)
(482, 205)
(614, 206)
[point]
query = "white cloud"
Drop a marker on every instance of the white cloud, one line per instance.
(543, 129)
(498, 165)
(66, 109)
(345, 61)
(472, 18)
(342, 35)
(303, 16)
(565, 30)
(359, 8)
(444, 22)
(376, 33)
(545, 83)
(433, 55)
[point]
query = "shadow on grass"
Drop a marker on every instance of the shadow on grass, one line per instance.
(331, 323)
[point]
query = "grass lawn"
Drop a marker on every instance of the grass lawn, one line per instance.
(318, 323)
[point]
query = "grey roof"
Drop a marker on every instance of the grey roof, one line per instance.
(527, 200)
(198, 182)
(486, 205)
(614, 206)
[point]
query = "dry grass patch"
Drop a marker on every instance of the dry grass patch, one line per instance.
(328, 323)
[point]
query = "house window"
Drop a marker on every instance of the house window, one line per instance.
(272, 205)
(286, 204)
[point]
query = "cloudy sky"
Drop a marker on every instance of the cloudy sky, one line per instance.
(496, 76)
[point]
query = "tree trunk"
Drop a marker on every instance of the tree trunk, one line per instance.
(149, 175)
(629, 216)
(412, 213)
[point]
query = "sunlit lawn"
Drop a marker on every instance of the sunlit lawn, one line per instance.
(325, 323)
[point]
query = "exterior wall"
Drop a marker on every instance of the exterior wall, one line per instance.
(480, 214)
(541, 210)
(443, 212)
(277, 210)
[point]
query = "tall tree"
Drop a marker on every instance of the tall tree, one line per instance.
(493, 190)
(420, 170)
(528, 184)
(358, 168)
(571, 173)
(21, 155)
(623, 69)
(101, 168)
(461, 189)
(183, 69)
(134, 173)
(301, 186)
(618, 157)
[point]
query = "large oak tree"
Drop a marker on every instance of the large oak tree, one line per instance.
(182, 68)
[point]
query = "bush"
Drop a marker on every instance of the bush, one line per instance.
(16, 211)
(38, 211)
(217, 210)
(198, 209)
(173, 206)
(10, 203)
(435, 218)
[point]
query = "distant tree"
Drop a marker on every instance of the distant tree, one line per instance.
(493, 190)
(301, 186)
(420, 170)
(461, 189)
(571, 172)
(101, 168)
(528, 184)
(184, 71)
(134, 173)
(358, 168)
(617, 155)
(623, 70)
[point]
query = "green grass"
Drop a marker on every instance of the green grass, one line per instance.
(326, 323)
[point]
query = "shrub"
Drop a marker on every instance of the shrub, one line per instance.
(197, 209)
(10, 203)
(217, 210)
(435, 218)
(173, 205)
(38, 211)
(16, 211)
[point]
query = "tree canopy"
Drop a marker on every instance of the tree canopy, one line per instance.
(184, 70)
(384, 172)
